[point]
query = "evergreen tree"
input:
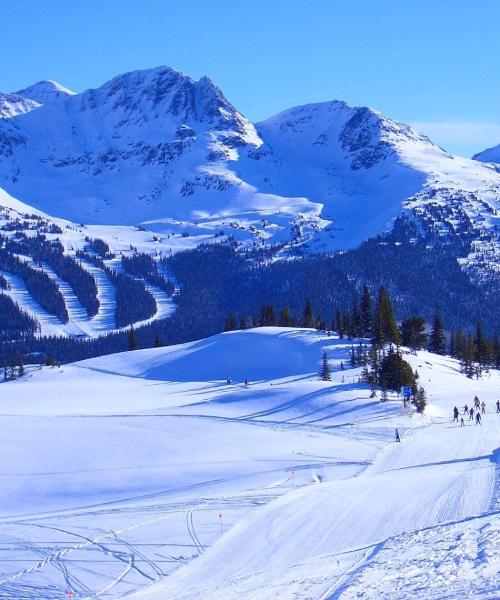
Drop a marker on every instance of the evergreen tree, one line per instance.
(132, 339)
(395, 372)
(324, 372)
(286, 319)
(420, 400)
(20, 366)
(309, 314)
(158, 342)
(356, 320)
(339, 323)
(230, 324)
(413, 333)
(385, 329)
(483, 349)
(366, 311)
(437, 341)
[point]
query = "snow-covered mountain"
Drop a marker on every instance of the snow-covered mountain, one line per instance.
(158, 148)
(12, 105)
(45, 92)
(490, 155)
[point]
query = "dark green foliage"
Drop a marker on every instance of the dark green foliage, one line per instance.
(132, 339)
(366, 312)
(40, 286)
(324, 373)
(309, 314)
(230, 324)
(413, 333)
(14, 322)
(144, 266)
(133, 301)
(385, 329)
(437, 340)
(420, 400)
(395, 372)
(286, 319)
(100, 247)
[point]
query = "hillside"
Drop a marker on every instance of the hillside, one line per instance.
(150, 467)
(491, 155)
(159, 148)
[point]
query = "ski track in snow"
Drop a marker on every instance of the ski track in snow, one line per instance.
(134, 463)
(79, 323)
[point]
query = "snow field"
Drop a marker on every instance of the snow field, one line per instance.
(120, 466)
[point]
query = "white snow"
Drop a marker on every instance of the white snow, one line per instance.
(138, 453)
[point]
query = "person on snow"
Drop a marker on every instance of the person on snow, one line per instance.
(466, 410)
(455, 414)
(246, 382)
(462, 422)
(498, 406)
(471, 414)
(476, 402)
(483, 407)
(398, 439)
(478, 418)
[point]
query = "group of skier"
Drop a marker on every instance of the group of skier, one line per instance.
(478, 408)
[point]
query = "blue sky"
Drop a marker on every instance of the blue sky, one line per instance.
(431, 63)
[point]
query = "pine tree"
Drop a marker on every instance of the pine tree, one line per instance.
(339, 323)
(286, 319)
(413, 333)
(20, 366)
(395, 372)
(482, 346)
(324, 372)
(356, 320)
(309, 314)
(385, 329)
(437, 341)
(132, 339)
(230, 324)
(420, 400)
(158, 342)
(366, 311)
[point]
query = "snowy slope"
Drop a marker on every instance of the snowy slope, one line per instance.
(159, 148)
(491, 155)
(139, 453)
(45, 92)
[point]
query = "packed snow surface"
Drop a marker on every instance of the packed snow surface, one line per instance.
(147, 475)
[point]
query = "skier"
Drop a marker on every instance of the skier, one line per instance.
(455, 414)
(466, 410)
(398, 439)
(471, 414)
(246, 382)
(461, 421)
(228, 381)
(483, 407)
(476, 402)
(498, 406)
(478, 418)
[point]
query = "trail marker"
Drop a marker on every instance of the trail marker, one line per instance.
(220, 520)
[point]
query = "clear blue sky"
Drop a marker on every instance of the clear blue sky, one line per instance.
(435, 63)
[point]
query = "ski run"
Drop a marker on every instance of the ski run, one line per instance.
(146, 475)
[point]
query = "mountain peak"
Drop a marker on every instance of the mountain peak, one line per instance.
(45, 91)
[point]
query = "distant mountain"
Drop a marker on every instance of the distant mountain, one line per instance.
(12, 105)
(45, 92)
(491, 155)
(158, 148)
